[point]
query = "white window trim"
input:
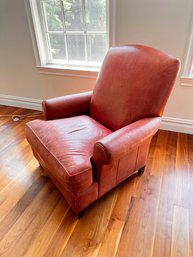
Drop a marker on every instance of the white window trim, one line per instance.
(65, 70)
(186, 78)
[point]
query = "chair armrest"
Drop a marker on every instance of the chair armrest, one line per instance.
(66, 106)
(124, 140)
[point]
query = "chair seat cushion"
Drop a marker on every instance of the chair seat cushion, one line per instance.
(67, 146)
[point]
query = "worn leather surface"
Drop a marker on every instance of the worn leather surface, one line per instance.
(123, 152)
(66, 106)
(121, 168)
(67, 146)
(91, 142)
(124, 140)
(134, 83)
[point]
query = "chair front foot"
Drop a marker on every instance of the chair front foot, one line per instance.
(141, 171)
(79, 214)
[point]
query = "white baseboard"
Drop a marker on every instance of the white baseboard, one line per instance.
(177, 125)
(168, 123)
(22, 102)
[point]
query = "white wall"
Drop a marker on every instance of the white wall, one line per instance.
(18, 73)
(164, 24)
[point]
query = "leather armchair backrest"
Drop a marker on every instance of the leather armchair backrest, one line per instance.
(134, 82)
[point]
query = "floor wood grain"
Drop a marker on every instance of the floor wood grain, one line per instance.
(146, 216)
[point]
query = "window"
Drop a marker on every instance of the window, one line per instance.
(71, 32)
(187, 72)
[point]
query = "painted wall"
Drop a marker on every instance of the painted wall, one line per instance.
(18, 73)
(164, 24)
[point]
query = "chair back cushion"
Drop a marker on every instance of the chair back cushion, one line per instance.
(134, 82)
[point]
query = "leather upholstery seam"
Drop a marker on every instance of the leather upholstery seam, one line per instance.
(117, 168)
(138, 154)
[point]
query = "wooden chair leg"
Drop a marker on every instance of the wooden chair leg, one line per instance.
(79, 214)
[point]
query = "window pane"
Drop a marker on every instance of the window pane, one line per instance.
(53, 13)
(73, 15)
(95, 15)
(96, 47)
(76, 47)
(57, 46)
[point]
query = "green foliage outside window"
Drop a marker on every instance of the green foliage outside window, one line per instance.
(71, 12)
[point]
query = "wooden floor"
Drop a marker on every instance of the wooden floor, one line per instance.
(149, 215)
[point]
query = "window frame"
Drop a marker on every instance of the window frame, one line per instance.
(38, 42)
(186, 78)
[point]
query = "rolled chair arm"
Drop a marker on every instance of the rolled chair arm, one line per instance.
(120, 142)
(66, 106)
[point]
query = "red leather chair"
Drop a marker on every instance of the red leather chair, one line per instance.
(91, 142)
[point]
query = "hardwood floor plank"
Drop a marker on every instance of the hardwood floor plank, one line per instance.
(45, 210)
(6, 114)
(156, 168)
(9, 171)
(111, 239)
(13, 240)
(163, 235)
(62, 235)
(139, 229)
(180, 232)
(183, 183)
(190, 193)
(8, 197)
(116, 223)
(149, 215)
(17, 210)
(89, 231)
(47, 233)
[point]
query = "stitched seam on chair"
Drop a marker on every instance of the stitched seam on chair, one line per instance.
(118, 163)
(137, 157)
(57, 158)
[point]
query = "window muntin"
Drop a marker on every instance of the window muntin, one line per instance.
(71, 32)
(188, 65)
(186, 78)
